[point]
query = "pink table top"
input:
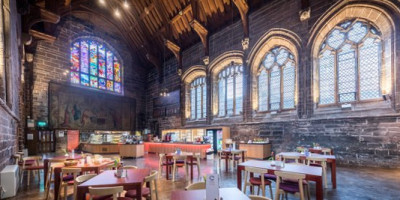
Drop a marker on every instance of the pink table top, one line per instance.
(313, 155)
(107, 178)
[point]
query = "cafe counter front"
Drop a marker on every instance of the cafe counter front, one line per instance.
(163, 147)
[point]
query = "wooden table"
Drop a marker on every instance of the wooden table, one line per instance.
(169, 158)
(84, 167)
(46, 163)
(228, 153)
(319, 150)
(330, 159)
(133, 181)
(312, 173)
(225, 193)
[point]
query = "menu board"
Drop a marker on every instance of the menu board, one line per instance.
(72, 139)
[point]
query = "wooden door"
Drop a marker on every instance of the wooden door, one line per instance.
(46, 141)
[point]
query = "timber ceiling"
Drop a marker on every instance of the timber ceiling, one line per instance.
(147, 24)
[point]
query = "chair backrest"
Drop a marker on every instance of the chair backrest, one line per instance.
(196, 186)
(103, 191)
(313, 160)
(70, 171)
(256, 170)
(254, 197)
(129, 167)
(83, 178)
(151, 177)
(36, 160)
(179, 157)
(285, 158)
(326, 151)
(17, 158)
(290, 175)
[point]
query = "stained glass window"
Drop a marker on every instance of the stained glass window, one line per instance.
(94, 65)
(198, 95)
(230, 90)
(350, 64)
(277, 80)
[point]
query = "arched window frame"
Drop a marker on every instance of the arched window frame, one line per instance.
(217, 65)
(280, 67)
(198, 98)
(113, 81)
(189, 77)
(234, 73)
(345, 27)
(383, 22)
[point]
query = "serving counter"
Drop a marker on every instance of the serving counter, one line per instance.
(256, 150)
(154, 147)
(124, 150)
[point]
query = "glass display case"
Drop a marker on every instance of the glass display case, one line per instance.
(108, 137)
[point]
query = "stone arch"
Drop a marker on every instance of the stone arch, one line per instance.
(271, 39)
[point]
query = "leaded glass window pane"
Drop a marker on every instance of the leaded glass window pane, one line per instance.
(239, 94)
(204, 104)
(221, 97)
(370, 57)
(327, 78)
(198, 102)
(358, 52)
(192, 104)
(263, 91)
(347, 74)
(89, 60)
(275, 83)
(229, 95)
(288, 85)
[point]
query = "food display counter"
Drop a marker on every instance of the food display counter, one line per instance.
(119, 142)
(256, 150)
(159, 147)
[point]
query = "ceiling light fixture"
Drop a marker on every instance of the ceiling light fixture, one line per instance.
(126, 4)
(117, 13)
(102, 2)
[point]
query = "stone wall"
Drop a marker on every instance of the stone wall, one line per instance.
(367, 134)
(10, 77)
(52, 61)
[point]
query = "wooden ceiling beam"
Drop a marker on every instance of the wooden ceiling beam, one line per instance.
(202, 32)
(42, 36)
(243, 8)
(176, 50)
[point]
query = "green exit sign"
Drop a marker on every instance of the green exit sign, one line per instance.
(41, 124)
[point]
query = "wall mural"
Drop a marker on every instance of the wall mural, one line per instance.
(75, 108)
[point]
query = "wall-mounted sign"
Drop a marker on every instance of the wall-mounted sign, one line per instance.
(41, 124)
(29, 136)
(72, 139)
(30, 123)
(60, 134)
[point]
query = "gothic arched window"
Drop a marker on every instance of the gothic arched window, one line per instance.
(198, 97)
(230, 90)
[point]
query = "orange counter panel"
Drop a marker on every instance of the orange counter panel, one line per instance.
(152, 147)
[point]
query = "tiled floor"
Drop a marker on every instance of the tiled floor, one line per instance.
(353, 183)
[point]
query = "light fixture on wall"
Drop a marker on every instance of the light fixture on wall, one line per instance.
(117, 13)
(126, 4)
(102, 2)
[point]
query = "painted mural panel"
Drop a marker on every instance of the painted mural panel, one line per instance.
(76, 108)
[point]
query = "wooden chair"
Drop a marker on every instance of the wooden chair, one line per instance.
(50, 172)
(179, 161)
(326, 151)
(321, 162)
(254, 197)
(295, 185)
(67, 177)
(196, 157)
(260, 182)
(35, 167)
(221, 156)
(81, 179)
(129, 167)
(235, 157)
(147, 192)
(196, 186)
(105, 191)
(163, 162)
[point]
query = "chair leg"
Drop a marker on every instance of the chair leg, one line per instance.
(29, 176)
(173, 172)
(65, 192)
(159, 170)
(270, 191)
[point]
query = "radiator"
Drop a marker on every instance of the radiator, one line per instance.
(9, 181)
